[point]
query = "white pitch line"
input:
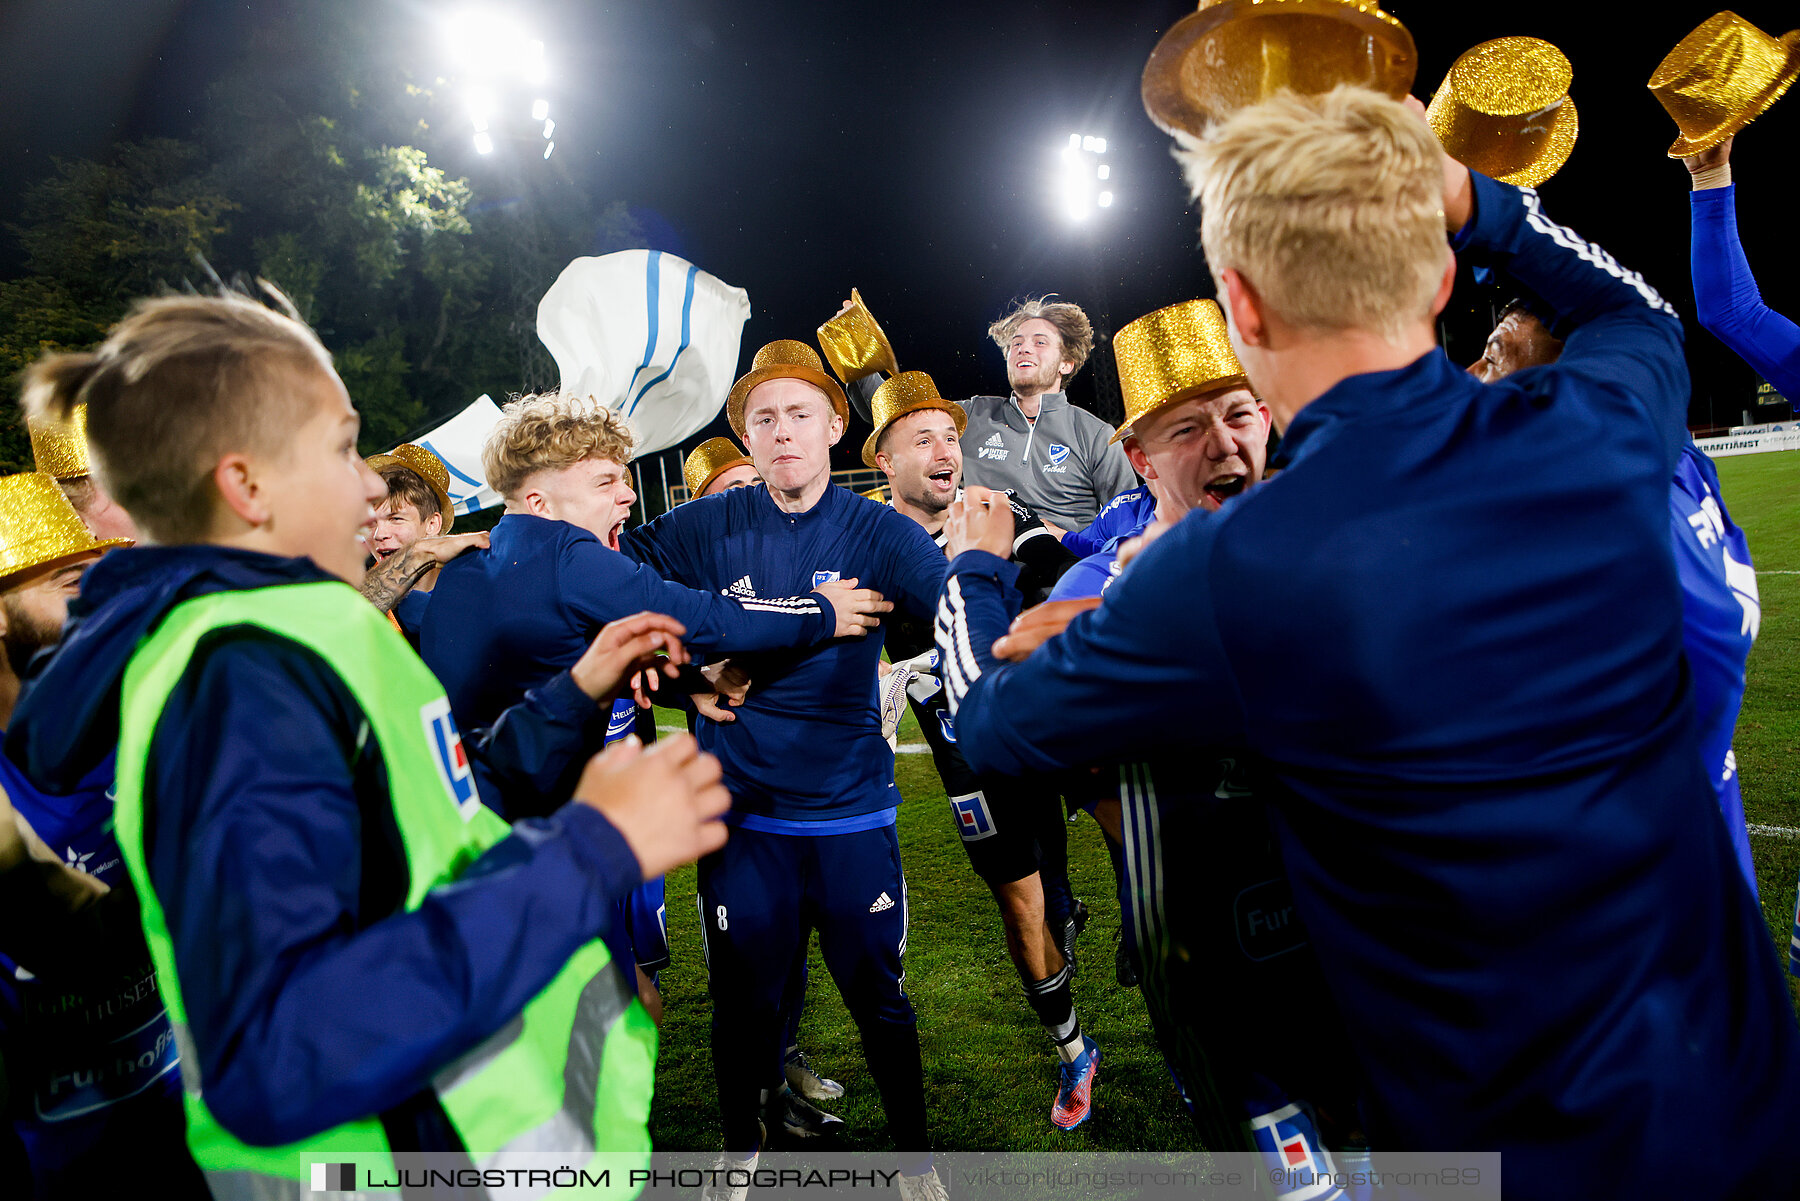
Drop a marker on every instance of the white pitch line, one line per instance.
(1778, 573)
(1785, 833)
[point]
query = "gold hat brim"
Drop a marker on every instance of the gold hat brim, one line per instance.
(1209, 387)
(18, 574)
(718, 471)
(1174, 109)
(948, 406)
(1555, 151)
(1685, 146)
(740, 391)
(446, 506)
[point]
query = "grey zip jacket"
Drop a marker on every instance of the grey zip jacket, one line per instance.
(1063, 465)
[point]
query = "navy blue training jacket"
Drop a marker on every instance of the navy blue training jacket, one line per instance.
(505, 619)
(806, 746)
(271, 841)
(1452, 628)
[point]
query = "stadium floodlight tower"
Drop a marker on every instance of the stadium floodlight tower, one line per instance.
(502, 71)
(1085, 180)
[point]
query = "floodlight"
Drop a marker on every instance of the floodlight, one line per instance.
(549, 128)
(483, 143)
(548, 148)
(1105, 200)
(540, 109)
(1104, 171)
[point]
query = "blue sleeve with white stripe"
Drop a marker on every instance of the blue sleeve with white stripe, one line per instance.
(1119, 677)
(1618, 331)
(603, 586)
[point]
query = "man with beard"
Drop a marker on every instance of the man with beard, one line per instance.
(1033, 442)
(813, 844)
(62, 1022)
(1011, 828)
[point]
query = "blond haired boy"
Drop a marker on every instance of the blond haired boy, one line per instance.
(359, 957)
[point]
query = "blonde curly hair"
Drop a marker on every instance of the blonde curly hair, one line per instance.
(548, 432)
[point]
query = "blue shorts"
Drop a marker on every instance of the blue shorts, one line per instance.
(760, 897)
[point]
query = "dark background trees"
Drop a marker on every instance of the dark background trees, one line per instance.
(311, 163)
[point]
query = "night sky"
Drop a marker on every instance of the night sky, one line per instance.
(909, 148)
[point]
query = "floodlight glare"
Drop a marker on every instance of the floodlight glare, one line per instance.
(1105, 200)
(1074, 141)
(548, 149)
(483, 143)
(549, 128)
(540, 109)
(1104, 171)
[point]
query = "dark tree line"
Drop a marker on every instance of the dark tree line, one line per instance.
(309, 165)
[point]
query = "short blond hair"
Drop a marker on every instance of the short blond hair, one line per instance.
(1072, 326)
(548, 432)
(178, 384)
(1330, 206)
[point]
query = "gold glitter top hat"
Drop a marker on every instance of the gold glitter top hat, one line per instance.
(1171, 355)
(854, 344)
(1504, 110)
(1234, 53)
(59, 449)
(906, 393)
(1721, 77)
(707, 460)
(786, 359)
(39, 528)
(427, 467)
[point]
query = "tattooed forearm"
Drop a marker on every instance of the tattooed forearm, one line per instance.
(394, 577)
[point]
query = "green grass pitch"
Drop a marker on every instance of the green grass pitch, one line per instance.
(990, 1074)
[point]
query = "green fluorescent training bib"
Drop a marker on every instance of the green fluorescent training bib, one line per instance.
(566, 1082)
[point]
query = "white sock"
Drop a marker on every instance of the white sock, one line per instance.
(1070, 1051)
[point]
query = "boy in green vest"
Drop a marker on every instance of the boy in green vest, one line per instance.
(359, 956)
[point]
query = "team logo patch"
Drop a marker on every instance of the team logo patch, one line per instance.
(973, 821)
(826, 577)
(947, 724)
(1299, 1166)
(451, 759)
(741, 587)
(1266, 924)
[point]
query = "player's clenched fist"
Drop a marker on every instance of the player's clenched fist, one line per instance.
(856, 608)
(665, 802)
(980, 519)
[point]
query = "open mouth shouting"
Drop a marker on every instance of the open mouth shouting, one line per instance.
(1223, 488)
(612, 535)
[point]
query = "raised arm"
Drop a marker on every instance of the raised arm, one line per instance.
(1730, 305)
(1618, 331)
(1119, 681)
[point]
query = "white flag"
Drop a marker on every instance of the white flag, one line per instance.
(458, 443)
(648, 334)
